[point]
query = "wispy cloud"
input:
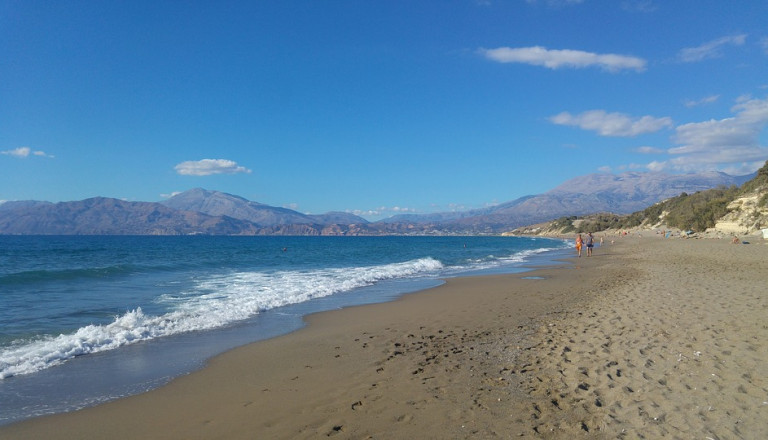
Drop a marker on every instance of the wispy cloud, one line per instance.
(365, 212)
(383, 211)
(612, 124)
(708, 100)
(207, 167)
(24, 152)
(168, 196)
(731, 144)
(556, 59)
(734, 139)
(649, 150)
(711, 49)
(397, 210)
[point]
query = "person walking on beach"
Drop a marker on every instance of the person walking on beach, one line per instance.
(579, 242)
(590, 244)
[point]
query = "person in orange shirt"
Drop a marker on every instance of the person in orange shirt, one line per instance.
(579, 242)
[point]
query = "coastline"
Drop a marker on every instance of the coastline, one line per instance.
(651, 336)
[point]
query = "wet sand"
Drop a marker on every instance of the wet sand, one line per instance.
(648, 338)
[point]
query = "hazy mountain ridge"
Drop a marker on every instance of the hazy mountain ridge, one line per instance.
(106, 216)
(217, 203)
(21, 204)
(602, 192)
(200, 211)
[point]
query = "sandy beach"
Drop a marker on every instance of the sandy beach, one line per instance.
(649, 338)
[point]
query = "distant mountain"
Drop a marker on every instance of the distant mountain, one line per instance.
(8, 206)
(337, 218)
(200, 211)
(217, 203)
(105, 216)
(621, 194)
(628, 192)
(737, 210)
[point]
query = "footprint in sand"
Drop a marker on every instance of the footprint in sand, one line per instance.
(405, 418)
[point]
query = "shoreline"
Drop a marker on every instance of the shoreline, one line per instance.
(488, 356)
(92, 380)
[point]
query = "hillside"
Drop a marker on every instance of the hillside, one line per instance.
(216, 203)
(105, 216)
(723, 210)
(748, 211)
(603, 192)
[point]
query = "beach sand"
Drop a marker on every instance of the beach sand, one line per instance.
(649, 338)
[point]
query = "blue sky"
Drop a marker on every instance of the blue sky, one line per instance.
(373, 107)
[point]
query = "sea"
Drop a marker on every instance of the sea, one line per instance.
(88, 319)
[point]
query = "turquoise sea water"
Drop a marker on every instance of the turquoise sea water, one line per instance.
(87, 319)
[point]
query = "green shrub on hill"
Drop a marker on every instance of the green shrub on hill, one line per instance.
(758, 182)
(600, 222)
(564, 224)
(699, 211)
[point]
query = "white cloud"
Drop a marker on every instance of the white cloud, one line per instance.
(364, 213)
(18, 152)
(612, 124)
(168, 196)
(555, 59)
(708, 100)
(736, 136)
(24, 152)
(398, 210)
(382, 211)
(206, 167)
(656, 166)
(711, 49)
(730, 144)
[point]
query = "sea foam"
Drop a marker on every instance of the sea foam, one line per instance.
(212, 303)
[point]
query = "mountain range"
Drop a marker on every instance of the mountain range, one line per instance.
(217, 203)
(617, 193)
(200, 211)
